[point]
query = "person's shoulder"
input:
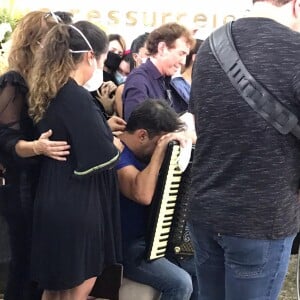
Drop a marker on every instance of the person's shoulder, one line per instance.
(267, 26)
(120, 88)
(272, 35)
(127, 158)
(137, 75)
(126, 154)
(74, 94)
(72, 87)
(179, 81)
(142, 69)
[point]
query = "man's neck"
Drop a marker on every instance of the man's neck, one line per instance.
(127, 140)
(157, 65)
(131, 143)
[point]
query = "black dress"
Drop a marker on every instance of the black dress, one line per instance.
(16, 196)
(76, 229)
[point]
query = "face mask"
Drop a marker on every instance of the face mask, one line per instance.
(95, 81)
(112, 61)
(120, 78)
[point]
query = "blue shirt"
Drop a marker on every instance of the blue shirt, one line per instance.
(147, 82)
(134, 216)
(182, 87)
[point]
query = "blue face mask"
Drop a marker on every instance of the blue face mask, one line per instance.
(120, 78)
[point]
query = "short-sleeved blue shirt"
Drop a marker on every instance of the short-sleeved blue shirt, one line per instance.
(134, 216)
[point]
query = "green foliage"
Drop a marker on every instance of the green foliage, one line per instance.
(6, 16)
(8, 21)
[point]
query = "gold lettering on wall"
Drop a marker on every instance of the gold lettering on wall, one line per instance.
(113, 17)
(131, 18)
(146, 22)
(93, 14)
(200, 20)
(153, 19)
(164, 17)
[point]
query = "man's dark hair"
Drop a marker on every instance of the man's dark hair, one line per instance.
(138, 42)
(274, 2)
(155, 116)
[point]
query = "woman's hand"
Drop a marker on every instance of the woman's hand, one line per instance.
(106, 95)
(55, 149)
(116, 124)
(118, 144)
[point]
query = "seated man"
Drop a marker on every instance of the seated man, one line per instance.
(151, 126)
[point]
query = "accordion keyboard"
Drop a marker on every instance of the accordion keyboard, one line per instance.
(167, 193)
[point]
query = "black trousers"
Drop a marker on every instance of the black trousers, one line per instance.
(16, 205)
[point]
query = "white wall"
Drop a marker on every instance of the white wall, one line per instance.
(133, 17)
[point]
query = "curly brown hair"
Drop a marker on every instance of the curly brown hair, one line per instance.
(26, 39)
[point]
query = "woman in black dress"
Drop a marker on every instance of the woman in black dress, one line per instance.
(76, 215)
(19, 160)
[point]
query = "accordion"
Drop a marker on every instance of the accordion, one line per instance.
(167, 230)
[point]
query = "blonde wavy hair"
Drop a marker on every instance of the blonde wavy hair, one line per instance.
(26, 39)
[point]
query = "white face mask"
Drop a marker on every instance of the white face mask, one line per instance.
(95, 81)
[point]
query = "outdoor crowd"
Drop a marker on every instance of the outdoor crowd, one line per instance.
(85, 121)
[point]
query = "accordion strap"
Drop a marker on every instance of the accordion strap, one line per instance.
(256, 95)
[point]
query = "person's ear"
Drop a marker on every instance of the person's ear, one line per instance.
(142, 135)
(296, 8)
(295, 25)
(161, 48)
(135, 57)
(90, 57)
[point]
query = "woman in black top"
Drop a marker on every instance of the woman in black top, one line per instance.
(19, 164)
(76, 231)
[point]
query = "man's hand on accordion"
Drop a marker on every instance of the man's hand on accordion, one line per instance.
(139, 185)
(179, 136)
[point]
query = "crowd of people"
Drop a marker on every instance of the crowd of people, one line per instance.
(84, 126)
